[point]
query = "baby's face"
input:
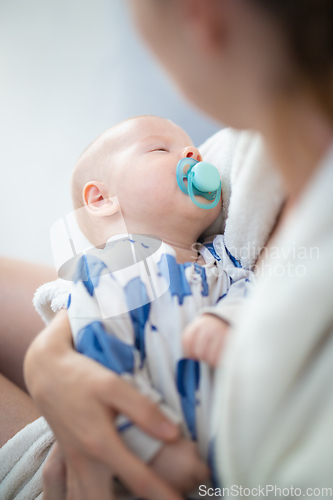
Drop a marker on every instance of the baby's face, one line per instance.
(144, 153)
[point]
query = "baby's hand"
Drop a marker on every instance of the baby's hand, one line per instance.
(204, 338)
(180, 465)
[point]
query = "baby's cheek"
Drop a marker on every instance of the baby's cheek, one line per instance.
(148, 191)
(158, 194)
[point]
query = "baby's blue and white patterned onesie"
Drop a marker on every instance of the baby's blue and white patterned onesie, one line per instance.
(128, 307)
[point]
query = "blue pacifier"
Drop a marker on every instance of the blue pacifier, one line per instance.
(203, 179)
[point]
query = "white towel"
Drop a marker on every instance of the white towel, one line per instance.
(21, 461)
(220, 150)
(50, 298)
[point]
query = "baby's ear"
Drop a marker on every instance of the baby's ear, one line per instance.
(97, 200)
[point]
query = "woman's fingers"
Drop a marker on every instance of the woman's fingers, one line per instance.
(125, 399)
(107, 447)
(141, 480)
(54, 475)
(88, 480)
(75, 479)
(104, 446)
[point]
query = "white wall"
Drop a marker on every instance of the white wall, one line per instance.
(69, 69)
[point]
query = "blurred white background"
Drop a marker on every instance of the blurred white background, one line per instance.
(69, 70)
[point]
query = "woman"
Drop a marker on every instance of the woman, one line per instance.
(265, 65)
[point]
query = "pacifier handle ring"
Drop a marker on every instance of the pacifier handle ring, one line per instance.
(181, 174)
(205, 206)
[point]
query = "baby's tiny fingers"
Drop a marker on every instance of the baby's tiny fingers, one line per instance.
(189, 339)
(202, 473)
(214, 350)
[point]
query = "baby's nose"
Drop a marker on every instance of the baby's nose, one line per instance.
(192, 152)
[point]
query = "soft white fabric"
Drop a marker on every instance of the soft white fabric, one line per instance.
(50, 298)
(220, 150)
(274, 401)
(21, 461)
(252, 192)
(257, 197)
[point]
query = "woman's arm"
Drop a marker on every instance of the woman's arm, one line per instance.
(19, 321)
(17, 410)
(80, 398)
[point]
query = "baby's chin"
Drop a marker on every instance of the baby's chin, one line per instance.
(206, 213)
(200, 219)
(204, 201)
(209, 216)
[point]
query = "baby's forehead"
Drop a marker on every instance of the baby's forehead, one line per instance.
(140, 128)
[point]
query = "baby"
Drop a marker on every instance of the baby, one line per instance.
(138, 298)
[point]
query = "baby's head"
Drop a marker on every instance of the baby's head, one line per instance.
(125, 181)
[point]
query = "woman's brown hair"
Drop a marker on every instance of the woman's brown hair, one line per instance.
(308, 27)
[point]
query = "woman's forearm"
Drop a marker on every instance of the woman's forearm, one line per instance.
(19, 321)
(46, 354)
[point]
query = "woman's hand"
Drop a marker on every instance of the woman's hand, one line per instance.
(80, 399)
(54, 475)
(64, 481)
(204, 338)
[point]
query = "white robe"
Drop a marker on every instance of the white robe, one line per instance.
(274, 399)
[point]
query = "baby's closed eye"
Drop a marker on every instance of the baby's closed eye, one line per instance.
(159, 149)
